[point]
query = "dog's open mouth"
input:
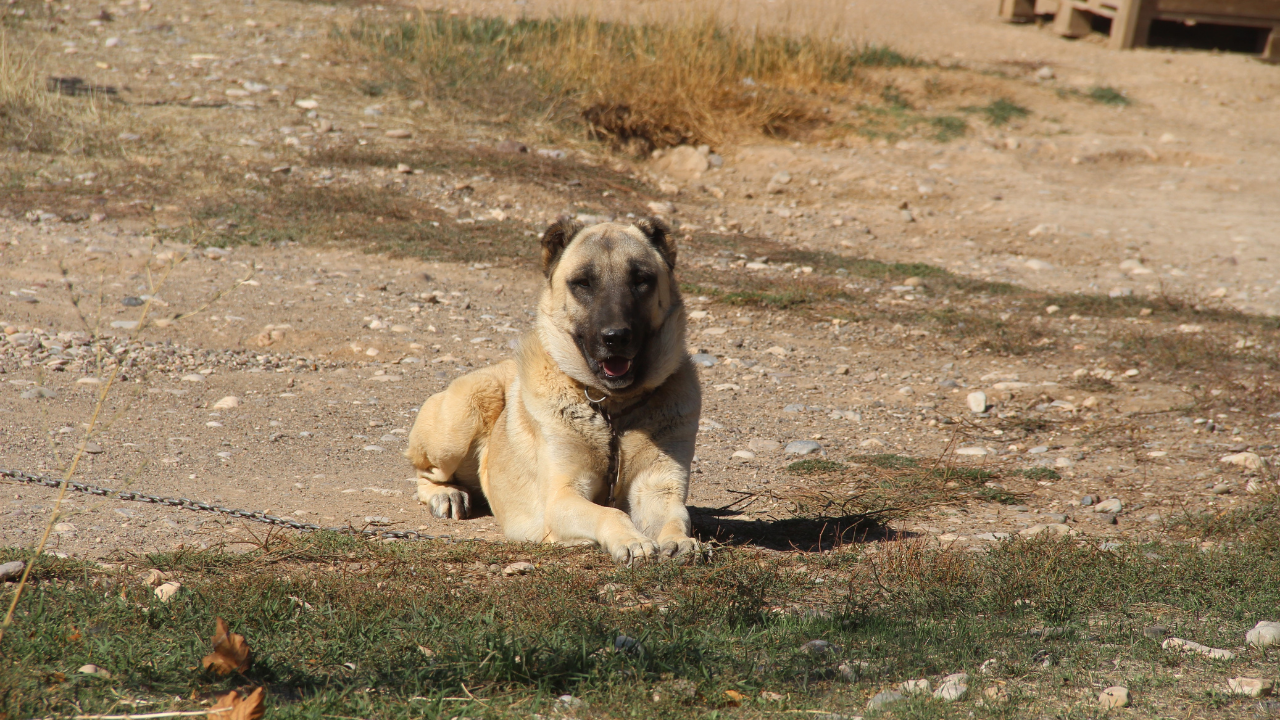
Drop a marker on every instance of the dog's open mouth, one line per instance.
(615, 367)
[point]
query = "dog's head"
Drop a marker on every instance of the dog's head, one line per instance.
(611, 314)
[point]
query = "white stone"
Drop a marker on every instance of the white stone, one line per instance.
(306, 104)
(1246, 460)
(1114, 697)
(166, 591)
(952, 690)
(518, 568)
(976, 451)
(1187, 646)
(1037, 264)
(1113, 506)
(1250, 687)
(64, 528)
(1263, 634)
(977, 401)
(94, 670)
(229, 402)
(744, 455)
(802, 447)
(915, 687)
(193, 377)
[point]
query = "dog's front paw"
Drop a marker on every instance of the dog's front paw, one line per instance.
(681, 547)
(632, 549)
(445, 501)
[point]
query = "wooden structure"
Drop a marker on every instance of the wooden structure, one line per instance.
(1131, 19)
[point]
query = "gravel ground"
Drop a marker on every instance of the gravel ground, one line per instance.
(291, 393)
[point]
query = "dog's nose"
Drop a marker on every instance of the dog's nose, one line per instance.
(615, 338)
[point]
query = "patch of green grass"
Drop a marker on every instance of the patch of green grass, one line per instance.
(1040, 473)
(998, 495)
(815, 467)
(887, 461)
(1107, 95)
(346, 628)
(948, 127)
(1000, 112)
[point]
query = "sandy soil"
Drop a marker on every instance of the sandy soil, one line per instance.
(329, 351)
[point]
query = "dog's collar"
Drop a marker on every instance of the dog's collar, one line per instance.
(614, 472)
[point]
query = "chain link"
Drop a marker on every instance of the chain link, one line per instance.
(187, 504)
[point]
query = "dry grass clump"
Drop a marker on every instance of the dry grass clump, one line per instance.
(638, 86)
(35, 119)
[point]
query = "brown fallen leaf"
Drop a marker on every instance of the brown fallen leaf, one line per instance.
(230, 652)
(735, 697)
(242, 708)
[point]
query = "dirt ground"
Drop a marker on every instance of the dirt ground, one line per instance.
(328, 351)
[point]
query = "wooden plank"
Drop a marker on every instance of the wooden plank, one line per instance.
(1071, 21)
(1272, 51)
(1017, 10)
(1269, 9)
(1130, 26)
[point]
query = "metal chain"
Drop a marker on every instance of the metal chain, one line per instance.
(186, 504)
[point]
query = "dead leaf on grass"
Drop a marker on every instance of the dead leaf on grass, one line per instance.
(230, 652)
(735, 697)
(242, 708)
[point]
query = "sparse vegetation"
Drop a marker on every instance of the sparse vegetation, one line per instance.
(345, 627)
(1000, 112)
(636, 86)
(814, 467)
(1108, 95)
(35, 117)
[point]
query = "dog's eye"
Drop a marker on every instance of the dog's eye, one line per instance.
(644, 282)
(583, 284)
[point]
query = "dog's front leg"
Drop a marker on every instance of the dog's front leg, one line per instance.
(657, 498)
(571, 516)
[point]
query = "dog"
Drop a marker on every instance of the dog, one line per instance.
(588, 434)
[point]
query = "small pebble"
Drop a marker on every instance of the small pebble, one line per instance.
(882, 699)
(1112, 506)
(977, 401)
(518, 568)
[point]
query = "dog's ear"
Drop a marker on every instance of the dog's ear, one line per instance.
(659, 234)
(554, 241)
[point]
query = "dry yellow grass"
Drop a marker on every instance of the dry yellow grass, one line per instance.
(35, 119)
(638, 86)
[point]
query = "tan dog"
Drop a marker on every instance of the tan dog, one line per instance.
(588, 435)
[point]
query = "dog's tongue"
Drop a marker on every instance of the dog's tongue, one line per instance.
(615, 366)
